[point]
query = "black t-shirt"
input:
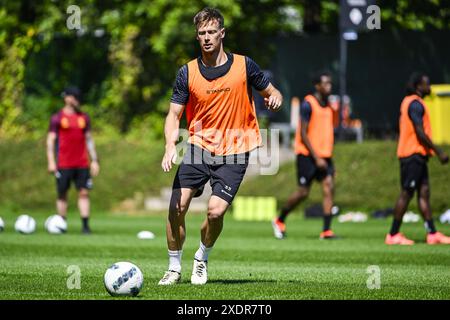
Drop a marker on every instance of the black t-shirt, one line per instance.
(255, 77)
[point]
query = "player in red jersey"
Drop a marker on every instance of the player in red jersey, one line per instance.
(69, 141)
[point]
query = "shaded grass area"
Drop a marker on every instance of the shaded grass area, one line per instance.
(126, 168)
(367, 176)
(246, 263)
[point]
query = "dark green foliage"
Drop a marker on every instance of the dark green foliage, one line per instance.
(126, 71)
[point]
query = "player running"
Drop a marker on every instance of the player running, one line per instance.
(215, 92)
(414, 148)
(314, 148)
(69, 135)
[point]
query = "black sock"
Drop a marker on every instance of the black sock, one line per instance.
(395, 226)
(429, 225)
(327, 222)
(284, 214)
(85, 223)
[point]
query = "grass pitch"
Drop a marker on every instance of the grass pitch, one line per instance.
(246, 263)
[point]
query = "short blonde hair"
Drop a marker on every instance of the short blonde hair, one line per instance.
(208, 14)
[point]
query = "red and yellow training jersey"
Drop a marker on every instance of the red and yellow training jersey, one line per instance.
(71, 149)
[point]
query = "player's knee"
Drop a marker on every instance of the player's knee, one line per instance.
(178, 209)
(424, 192)
(83, 194)
(303, 192)
(181, 208)
(215, 212)
(327, 183)
(62, 197)
(407, 194)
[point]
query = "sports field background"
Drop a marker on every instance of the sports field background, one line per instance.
(367, 176)
(124, 56)
(247, 262)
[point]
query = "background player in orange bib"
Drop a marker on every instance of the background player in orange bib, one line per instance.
(214, 90)
(414, 148)
(314, 148)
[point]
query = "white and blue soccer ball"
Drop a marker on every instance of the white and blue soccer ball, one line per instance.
(2, 225)
(25, 224)
(123, 279)
(55, 224)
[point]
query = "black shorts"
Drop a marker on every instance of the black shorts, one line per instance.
(225, 174)
(80, 176)
(413, 172)
(307, 170)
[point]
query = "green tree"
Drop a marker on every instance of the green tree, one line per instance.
(127, 53)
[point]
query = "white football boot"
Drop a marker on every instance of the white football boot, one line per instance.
(199, 272)
(170, 278)
(278, 229)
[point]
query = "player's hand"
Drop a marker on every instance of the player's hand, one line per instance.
(51, 168)
(169, 157)
(273, 102)
(321, 163)
(95, 168)
(443, 157)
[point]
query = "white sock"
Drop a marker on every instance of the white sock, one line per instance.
(202, 252)
(175, 260)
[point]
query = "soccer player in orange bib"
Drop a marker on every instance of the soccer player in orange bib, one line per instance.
(414, 148)
(314, 142)
(214, 91)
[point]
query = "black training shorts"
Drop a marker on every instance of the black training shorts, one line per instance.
(225, 174)
(307, 170)
(80, 176)
(413, 172)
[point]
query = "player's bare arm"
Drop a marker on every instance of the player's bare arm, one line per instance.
(321, 163)
(171, 128)
(95, 166)
(51, 162)
(272, 97)
(426, 141)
